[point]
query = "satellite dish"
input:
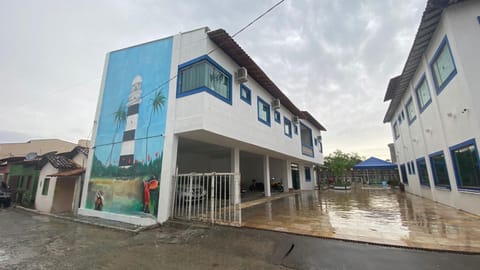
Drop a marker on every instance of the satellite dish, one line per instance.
(31, 156)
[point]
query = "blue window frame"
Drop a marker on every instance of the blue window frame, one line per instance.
(320, 147)
(276, 115)
(245, 94)
(466, 165)
(411, 115)
(287, 127)
(202, 74)
(308, 176)
(439, 170)
(396, 132)
(412, 165)
(409, 168)
(295, 129)
(403, 174)
(478, 19)
(263, 111)
(422, 92)
(442, 66)
(315, 141)
(306, 140)
(423, 172)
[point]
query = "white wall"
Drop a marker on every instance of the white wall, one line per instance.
(443, 117)
(44, 202)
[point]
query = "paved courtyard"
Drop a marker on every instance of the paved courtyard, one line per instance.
(373, 215)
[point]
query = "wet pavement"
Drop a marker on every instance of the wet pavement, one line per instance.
(32, 241)
(373, 215)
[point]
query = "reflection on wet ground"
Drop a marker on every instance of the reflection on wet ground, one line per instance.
(381, 216)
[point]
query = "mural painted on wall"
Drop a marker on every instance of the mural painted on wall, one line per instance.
(129, 142)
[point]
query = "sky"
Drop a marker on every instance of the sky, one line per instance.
(331, 58)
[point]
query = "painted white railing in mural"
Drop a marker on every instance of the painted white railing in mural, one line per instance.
(207, 197)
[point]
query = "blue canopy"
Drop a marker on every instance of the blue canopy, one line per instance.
(374, 163)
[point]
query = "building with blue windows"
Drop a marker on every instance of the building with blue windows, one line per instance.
(201, 105)
(435, 122)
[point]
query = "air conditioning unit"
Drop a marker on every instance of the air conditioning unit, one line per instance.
(275, 104)
(242, 75)
(295, 119)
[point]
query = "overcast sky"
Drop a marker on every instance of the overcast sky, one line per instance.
(331, 58)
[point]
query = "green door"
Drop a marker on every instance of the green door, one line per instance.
(295, 179)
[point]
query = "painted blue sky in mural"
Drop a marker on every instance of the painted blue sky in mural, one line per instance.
(150, 61)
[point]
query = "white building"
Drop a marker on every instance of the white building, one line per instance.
(222, 114)
(434, 119)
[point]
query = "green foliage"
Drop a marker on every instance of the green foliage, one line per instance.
(339, 163)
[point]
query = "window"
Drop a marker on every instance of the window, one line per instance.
(308, 177)
(396, 132)
(423, 172)
(423, 94)
(204, 74)
(46, 183)
(276, 115)
(245, 94)
(410, 111)
(295, 129)
(320, 146)
(263, 111)
(409, 168)
(439, 169)
(403, 173)
(412, 165)
(307, 140)
(287, 126)
(442, 66)
(465, 161)
(315, 141)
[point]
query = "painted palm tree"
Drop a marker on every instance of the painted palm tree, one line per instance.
(157, 103)
(119, 117)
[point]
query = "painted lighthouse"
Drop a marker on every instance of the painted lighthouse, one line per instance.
(128, 142)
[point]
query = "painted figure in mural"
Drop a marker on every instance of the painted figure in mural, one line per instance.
(99, 200)
(150, 189)
(133, 104)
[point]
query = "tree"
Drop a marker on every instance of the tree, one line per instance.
(339, 163)
(157, 102)
(119, 117)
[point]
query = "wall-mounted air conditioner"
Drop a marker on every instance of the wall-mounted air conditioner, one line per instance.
(242, 75)
(275, 104)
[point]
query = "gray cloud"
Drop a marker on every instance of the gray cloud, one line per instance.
(332, 58)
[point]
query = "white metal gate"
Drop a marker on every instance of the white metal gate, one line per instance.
(207, 197)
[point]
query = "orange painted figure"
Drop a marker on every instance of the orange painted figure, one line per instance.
(148, 186)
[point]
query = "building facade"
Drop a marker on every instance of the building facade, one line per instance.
(204, 106)
(432, 112)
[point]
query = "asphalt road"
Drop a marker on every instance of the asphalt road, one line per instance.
(31, 241)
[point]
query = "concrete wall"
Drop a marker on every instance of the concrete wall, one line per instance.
(444, 122)
(44, 202)
(63, 196)
(203, 163)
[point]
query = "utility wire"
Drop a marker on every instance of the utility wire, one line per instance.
(210, 52)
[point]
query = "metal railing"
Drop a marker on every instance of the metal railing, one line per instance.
(207, 197)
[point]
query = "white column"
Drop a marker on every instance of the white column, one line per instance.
(235, 167)
(289, 175)
(169, 167)
(266, 175)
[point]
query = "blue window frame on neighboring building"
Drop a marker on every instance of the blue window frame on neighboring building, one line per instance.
(287, 127)
(422, 92)
(276, 115)
(245, 94)
(408, 168)
(202, 74)
(442, 66)
(413, 167)
(263, 113)
(423, 172)
(308, 176)
(411, 115)
(466, 164)
(439, 170)
(403, 174)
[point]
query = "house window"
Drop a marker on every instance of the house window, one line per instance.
(423, 94)
(465, 161)
(443, 66)
(276, 115)
(423, 172)
(320, 146)
(204, 74)
(308, 177)
(439, 169)
(287, 126)
(410, 111)
(412, 165)
(46, 183)
(295, 129)
(409, 168)
(263, 111)
(307, 140)
(245, 94)
(403, 173)
(396, 132)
